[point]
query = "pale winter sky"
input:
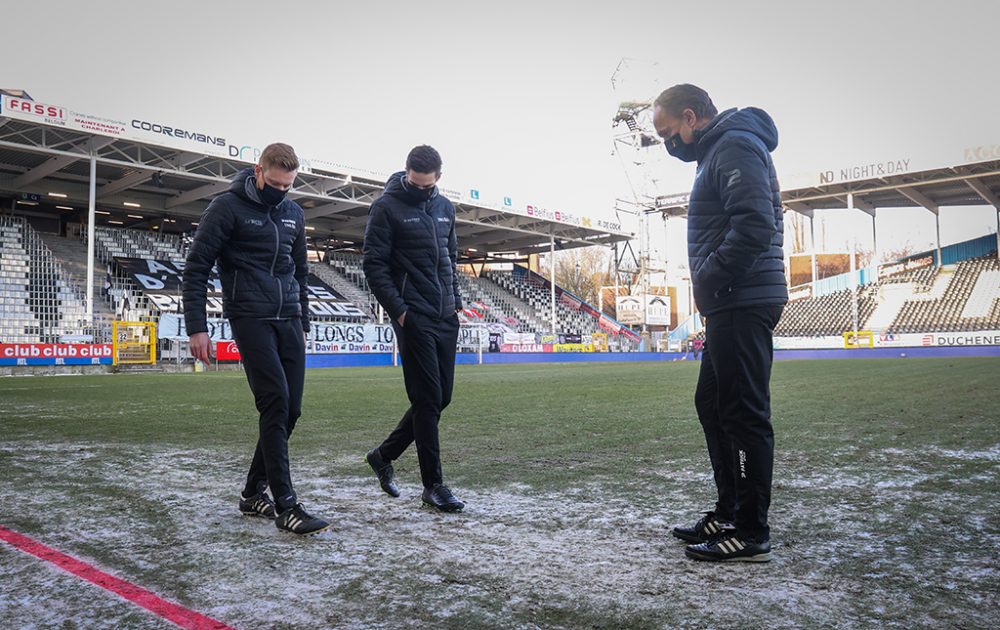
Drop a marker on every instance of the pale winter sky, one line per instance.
(518, 96)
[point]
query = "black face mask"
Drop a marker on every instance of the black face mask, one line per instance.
(416, 194)
(271, 196)
(680, 150)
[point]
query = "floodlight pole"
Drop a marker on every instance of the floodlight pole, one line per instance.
(91, 212)
(854, 268)
(875, 251)
(812, 239)
(552, 278)
(937, 223)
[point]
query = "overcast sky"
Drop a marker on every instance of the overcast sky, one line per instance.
(518, 96)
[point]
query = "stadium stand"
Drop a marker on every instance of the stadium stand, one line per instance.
(963, 298)
(125, 298)
(486, 302)
(343, 267)
(826, 315)
(329, 274)
(40, 301)
(531, 291)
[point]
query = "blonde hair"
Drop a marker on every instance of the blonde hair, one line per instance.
(279, 155)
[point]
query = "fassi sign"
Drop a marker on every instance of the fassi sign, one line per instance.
(55, 351)
(32, 108)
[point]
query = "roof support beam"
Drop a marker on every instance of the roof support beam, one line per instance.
(327, 209)
(984, 191)
(918, 198)
(864, 206)
(178, 161)
(59, 162)
(801, 208)
(194, 195)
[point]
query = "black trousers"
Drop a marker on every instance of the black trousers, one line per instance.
(733, 399)
(274, 358)
(427, 349)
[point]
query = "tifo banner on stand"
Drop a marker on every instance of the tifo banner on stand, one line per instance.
(160, 280)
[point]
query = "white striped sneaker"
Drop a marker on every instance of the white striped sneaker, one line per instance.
(257, 505)
(707, 527)
(730, 547)
(298, 521)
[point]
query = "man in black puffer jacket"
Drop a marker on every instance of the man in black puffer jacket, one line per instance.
(410, 258)
(257, 237)
(735, 234)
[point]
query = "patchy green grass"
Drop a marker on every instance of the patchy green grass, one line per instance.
(884, 510)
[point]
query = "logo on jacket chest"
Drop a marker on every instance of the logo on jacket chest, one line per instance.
(257, 222)
(442, 219)
(289, 223)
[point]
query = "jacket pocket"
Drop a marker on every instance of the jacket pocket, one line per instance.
(402, 288)
(236, 280)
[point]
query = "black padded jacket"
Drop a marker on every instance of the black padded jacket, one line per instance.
(261, 253)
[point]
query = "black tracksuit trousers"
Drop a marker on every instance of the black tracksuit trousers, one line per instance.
(733, 400)
(427, 348)
(274, 359)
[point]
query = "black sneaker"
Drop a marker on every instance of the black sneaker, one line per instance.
(704, 530)
(730, 546)
(440, 497)
(383, 470)
(298, 521)
(257, 505)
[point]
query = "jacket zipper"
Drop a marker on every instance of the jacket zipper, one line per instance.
(274, 261)
(437, 259)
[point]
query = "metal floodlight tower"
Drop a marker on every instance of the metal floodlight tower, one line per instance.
(631, 138)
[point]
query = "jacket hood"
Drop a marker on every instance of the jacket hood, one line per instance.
(749, 119)
(244, 186)
(396, 186)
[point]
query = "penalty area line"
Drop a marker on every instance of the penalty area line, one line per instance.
(174, 613)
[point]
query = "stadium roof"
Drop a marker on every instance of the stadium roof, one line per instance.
(976, 183)
(150, 173)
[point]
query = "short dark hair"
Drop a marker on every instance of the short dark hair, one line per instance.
(424, 159)
(676, 99)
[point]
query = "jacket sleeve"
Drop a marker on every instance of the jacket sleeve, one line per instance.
(453, 252)
(743, 178)
(214, 228)
(377, 254)
(301, 259)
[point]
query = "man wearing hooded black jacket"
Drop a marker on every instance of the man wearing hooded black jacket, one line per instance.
(735, 235)
(257, 237)
(410, 258)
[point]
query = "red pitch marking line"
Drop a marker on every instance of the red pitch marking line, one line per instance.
(174, 613)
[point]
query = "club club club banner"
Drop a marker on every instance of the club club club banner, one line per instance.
(55, 354)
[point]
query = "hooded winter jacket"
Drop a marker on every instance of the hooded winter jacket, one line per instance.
(261, 253)
(410, 252)
(735, 219)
